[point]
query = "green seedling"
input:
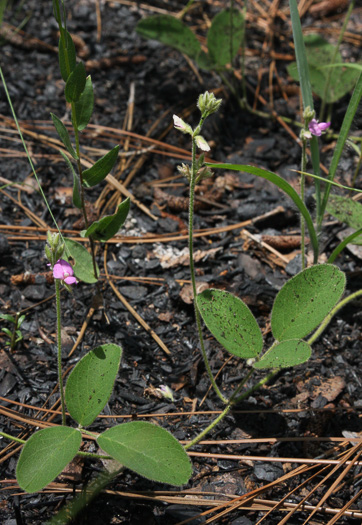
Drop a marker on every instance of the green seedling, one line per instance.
(224, 37)
(14, 335)
(304, 306)
(79, 94)
(143, 447)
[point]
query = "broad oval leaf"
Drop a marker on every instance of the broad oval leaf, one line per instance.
(231, 322)
(225, 36)
(288, 353)
(305, 300)
(101, 168)
(149, 450)
(90, 383)
(45, 455)
(83, 267)
(77, 201)
(170, 31)
(75, 83)
(67, 55)
(63, 135)
(83, 108)
(284, 186)
(108, 226)
(320, 52)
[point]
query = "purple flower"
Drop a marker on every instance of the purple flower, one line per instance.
(64, 271)
(316, 127)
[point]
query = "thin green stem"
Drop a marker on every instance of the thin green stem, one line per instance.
(12, 438)
(192, 266)
(244, 381)
(232, 402)
(332, 313)
(80, 171)
(302, 191)
(202, 434)
(329, 71)
(262, 382)
(59, 342)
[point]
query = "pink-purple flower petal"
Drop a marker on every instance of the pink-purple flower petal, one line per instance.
(316, 127)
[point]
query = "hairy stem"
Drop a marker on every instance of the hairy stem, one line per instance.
(59, 342)
(192, 267)
(302, 191)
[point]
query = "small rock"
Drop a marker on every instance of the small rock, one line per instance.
(4, 245)
(134, 292)
(35, 292)
(295, 265)
(268, 471)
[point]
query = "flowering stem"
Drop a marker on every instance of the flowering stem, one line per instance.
(202, 434)
(59, 341)
(191, 256)
(302, 188)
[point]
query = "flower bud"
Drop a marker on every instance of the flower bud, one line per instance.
(308, 114)
(201, 143)
(181, 125)
(207, 102)
(184, 169)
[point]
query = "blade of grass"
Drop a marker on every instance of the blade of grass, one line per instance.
(284, 186)
(306, 89)
(342, 137)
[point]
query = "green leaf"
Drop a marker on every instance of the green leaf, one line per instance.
(288, 353)
(76, 83)
(83, 267)
(7, 332)
(342, 137)
(284, 186)
(149, 450)
(90, 383)
(101, 168)
(231, 322)
(301, 56)
(67, 55)
(64, 135)
(225, 36)
(8, 317)
(83, 108)
(307, 96)
(170, 31)
(305, 300)
(45, 455)
(77, 201)
(21, 320)
(346, 210)
(108, 226)
(320, 54)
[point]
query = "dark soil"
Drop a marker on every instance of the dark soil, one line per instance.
(327, 388)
